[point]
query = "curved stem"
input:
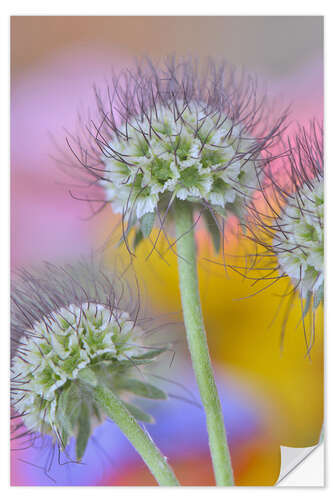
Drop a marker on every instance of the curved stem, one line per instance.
(140, 439)
(197, 342)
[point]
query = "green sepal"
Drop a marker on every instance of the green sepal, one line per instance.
(220, 210)
(64, 425)
(318, 297)
(137, 238)
(237, 209)
(113, 366)
(83, 432)
(69, 407)
(132, 221)
(96, 411)
(213, 230)
(307, 304)
(150, 354)
(87, 376)
(62, 417)
(147, 224)
(139, 388)
(64, 439)
(138, 414)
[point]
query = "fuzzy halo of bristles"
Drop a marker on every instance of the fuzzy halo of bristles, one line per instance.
(69, 333)
(174, 130)
(293, 231)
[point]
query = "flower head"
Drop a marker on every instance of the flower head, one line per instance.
(68, 338)
(168, 133)
(181, 150)
(300, 243)
(295, 231)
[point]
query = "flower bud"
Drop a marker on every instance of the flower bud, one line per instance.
(69, 335)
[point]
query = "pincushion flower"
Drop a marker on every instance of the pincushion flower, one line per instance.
(300, 245)
(70, 344)
(183, 150)
(167, 133)
(293, 231)
(77, 358)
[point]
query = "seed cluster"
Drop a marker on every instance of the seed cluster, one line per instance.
(65, 356)
(186, 151)
(299, 243)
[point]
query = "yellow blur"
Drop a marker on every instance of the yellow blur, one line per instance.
(244, 339)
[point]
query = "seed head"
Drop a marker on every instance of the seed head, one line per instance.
(67, 339)
(185, 151)
(296, 227)
(167, 133)
(300, 243)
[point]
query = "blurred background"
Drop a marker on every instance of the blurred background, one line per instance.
(271, 397)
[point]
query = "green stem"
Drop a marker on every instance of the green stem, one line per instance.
(197, 341)
(141, 441)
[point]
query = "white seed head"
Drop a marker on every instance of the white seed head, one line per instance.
(299, 244)
(291, 228)
(200, 133)
(184, 150)
(58, 348)
(69, 335)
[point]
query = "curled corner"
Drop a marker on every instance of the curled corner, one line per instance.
(292, 457)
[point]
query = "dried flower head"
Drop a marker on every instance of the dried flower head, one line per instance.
(167, 133)
(70, 334)
(294, 232)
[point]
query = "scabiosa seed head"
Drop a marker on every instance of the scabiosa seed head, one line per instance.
(181, 150)
(167, 133)
(300, 243)
(68, 338)
(296, 227)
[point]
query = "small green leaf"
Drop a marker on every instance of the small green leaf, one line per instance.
(137, 238)
(138, 414)
(114, 366)
(142, 389)
(96, 411)
(64, 438)
(220, 210)
(307, 304)
(130, 225)
(63, 427)
(147, 224)
(237, 209)
(151, 354)
(63, 419)
(318, 296)
(87, 376)
(213, 229)
(69, 406)
(83, 431)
